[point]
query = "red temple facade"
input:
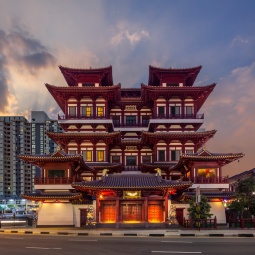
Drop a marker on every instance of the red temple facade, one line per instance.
(128, 155)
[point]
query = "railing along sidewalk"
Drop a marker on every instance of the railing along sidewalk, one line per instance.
(200, 223)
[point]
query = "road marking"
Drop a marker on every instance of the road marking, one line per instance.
(190, 252)
(15, 238)
(44, 248)
(75, 240)
(175, 242)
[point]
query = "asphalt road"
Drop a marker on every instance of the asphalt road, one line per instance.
(40, 245)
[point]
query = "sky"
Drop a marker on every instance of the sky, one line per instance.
(36, 36)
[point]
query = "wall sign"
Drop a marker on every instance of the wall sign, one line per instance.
(130, 107)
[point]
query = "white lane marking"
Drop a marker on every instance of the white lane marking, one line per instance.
(44, 248)
(15, 238)
(75, 240)
(192, 252)
(176, 242)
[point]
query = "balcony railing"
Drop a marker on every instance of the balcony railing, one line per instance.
(130, 124)
(54, 180)
(131, 168)
(81, 117)
(179, 116)
(209, 180)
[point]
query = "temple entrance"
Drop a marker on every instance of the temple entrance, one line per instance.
(108, 213)
(131, 212)
(179, 215)
(155, 213)
(131, 160)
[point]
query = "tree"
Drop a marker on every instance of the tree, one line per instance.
(244, 202)
(204, 209)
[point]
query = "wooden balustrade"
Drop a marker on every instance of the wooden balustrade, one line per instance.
(209, 180)
(53, 180)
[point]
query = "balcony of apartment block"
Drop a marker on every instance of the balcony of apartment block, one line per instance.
(210, 182)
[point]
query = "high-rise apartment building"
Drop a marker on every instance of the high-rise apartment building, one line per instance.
(40, 142)
(19, 136)
(15, 175)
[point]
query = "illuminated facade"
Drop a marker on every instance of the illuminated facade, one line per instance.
(126, 154)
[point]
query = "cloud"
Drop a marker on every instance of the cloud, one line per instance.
(3, 72)
(21, 60)
(125, 33)
(29, 53)
(230, 110)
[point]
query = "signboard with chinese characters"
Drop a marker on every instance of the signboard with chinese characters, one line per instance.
(131, 194)
(131, 148)
(130, 107)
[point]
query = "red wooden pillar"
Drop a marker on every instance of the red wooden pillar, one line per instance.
(166, 207)
(139, 118)
(167, 108)
(139, 157)
(66, 109)
(146, 210)
(167, 152)
(78, 108)
(94, 153)
(123, 157)
(94, 109)
(155, 109)
(106, 115)
(182, 109)
(79, 147)
(220, 172)
(122, 118)
(117, 212)
(97, 208)
(183, 148)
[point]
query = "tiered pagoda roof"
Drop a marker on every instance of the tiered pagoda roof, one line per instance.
(56, 157)
(74, 75)
(127, 181)
(206, 156)
(60, 93)
(199, 138)
(188, 75)
(57, 196)
(65, 138)
(186, 196)
(198, 93)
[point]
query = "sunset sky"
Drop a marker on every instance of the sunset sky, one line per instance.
(36, 36)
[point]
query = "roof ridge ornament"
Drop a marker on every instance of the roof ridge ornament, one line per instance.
(158, 170)
(105, 174)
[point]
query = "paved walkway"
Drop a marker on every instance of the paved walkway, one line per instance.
(130, 232)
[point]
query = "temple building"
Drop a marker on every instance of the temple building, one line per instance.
(128, 155)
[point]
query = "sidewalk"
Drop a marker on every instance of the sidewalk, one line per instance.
(130, 232)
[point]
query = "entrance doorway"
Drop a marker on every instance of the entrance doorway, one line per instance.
(155, 213)
(108, 213)
(83, 217)
(131, 212)
(179, 215)
(131, 160)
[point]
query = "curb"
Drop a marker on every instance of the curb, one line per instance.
(118, 234)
